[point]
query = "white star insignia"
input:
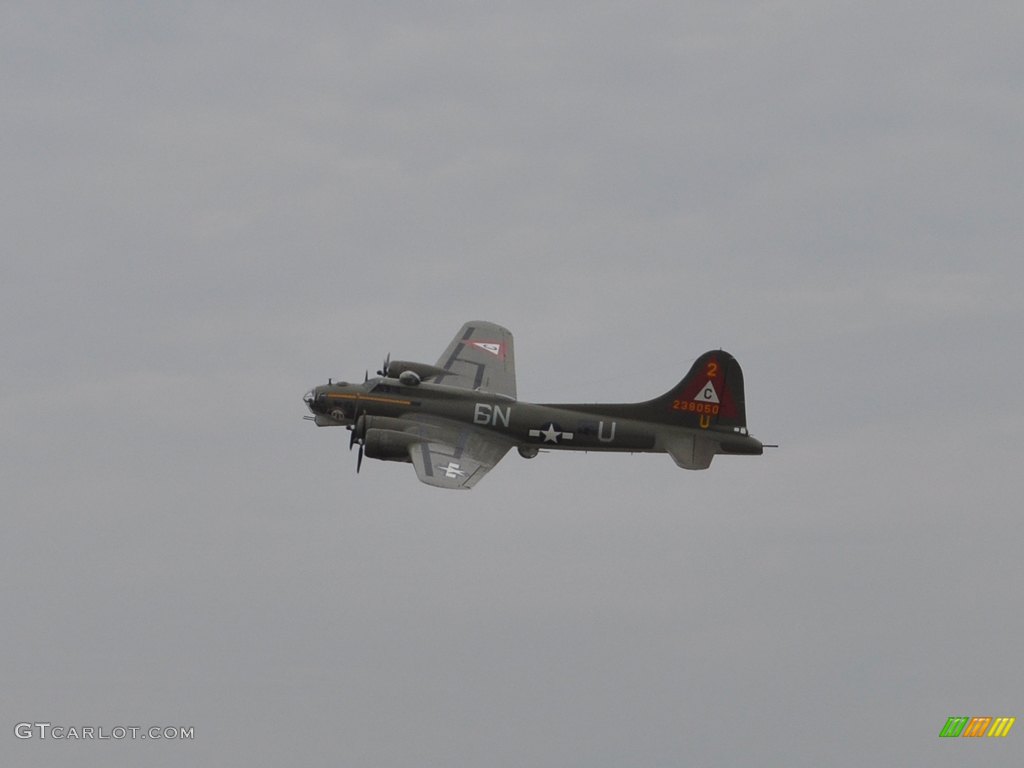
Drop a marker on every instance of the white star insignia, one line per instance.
(550, 434)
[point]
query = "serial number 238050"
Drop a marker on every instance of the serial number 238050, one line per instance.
(689, 405)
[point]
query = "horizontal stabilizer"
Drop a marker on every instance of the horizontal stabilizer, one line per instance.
(691, 452)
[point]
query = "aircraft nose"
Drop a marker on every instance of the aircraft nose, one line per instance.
(309, 398)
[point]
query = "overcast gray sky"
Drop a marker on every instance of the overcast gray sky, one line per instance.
(208, 208)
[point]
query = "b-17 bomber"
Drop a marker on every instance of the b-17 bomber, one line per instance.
(454, 420)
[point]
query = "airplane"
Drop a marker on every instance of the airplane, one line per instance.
(456, 419)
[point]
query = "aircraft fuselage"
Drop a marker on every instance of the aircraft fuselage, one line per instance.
(569, 427)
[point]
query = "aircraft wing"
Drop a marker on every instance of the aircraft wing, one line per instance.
(480, 357)
(455, 455)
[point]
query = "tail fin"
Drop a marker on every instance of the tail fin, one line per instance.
(709, 396)
(710, 399)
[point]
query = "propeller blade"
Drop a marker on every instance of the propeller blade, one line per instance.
(359, 461)
(358, 430)
(384, 368)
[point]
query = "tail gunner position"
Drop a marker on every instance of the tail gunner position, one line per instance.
(456, 419)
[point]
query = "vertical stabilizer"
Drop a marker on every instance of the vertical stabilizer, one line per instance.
(710, 395)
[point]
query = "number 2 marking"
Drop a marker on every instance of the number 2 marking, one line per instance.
(712, 370)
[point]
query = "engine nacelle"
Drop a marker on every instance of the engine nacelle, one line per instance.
(410, 378)
(398, 367)
(388, 444)
(366, 422)
(528, 451)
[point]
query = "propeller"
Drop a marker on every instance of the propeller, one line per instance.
(358, 436)
(359, 420)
